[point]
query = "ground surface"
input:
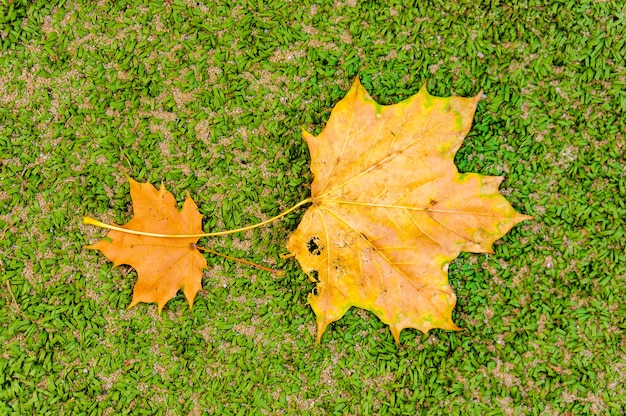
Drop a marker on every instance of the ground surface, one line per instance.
(210, 99)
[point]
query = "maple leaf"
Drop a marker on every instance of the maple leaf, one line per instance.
(164, 265)
(390, 210)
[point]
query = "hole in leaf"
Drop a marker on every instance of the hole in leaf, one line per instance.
(313, 246)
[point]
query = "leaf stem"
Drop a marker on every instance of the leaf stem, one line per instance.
(93, 221)
(267, 269)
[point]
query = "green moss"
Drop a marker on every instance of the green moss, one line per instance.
(211, 99)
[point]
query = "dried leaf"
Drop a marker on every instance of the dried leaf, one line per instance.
(391, 211)
(164, 265)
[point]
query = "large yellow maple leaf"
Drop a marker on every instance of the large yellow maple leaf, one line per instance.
(390, 210)
(164, 265)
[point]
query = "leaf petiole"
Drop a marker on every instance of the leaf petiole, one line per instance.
(93, 221)
(249, 263)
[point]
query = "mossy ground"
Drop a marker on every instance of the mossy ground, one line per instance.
(210, 98)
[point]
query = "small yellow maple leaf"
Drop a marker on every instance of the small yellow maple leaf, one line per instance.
(390, 210)
(164, 265)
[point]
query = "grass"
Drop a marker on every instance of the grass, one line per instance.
(210, 99)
